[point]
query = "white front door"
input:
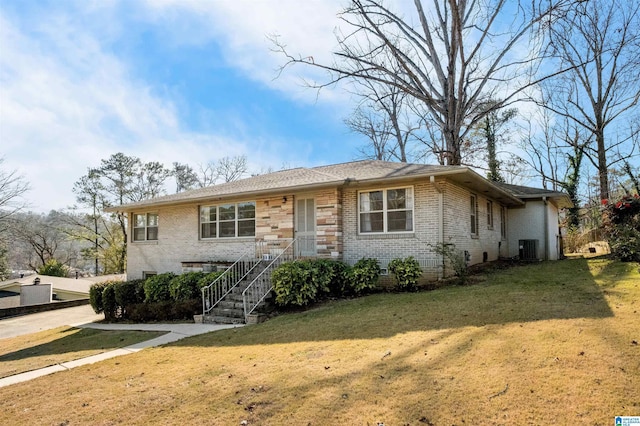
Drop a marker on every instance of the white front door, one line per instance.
(305, 227)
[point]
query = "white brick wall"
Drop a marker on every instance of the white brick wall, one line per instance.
(457, 228)
(178, 241)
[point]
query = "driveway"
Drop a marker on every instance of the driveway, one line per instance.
(27, 324)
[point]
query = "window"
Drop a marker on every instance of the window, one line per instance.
(145, 227)
(489, 214)
(386, 210)
(474, 214)
(228, 220)
(503, 222)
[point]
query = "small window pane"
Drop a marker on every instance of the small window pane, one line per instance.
(227, 229)
(152, 233)
(246, 228)
(208, 230)
(396, 199)
(227, 212)
(207, 214)
(152, 219)
(139, 220)
(138, 234)
(246, 210)
(400, 221)
(371, 201)
(371, 222)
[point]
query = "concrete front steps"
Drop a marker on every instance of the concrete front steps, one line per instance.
(230, 310)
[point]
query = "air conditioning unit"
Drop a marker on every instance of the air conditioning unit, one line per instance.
(528, 249)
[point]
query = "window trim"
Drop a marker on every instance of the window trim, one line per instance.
(236, 221)
(490, 219)
(146, 227)
(385, 211)
(473, 215)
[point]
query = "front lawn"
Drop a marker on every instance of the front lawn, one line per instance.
(62, 344)
(550, 343)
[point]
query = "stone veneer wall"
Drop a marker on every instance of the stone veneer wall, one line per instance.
(329, 223)
(274, 218)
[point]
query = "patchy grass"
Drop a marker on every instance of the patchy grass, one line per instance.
(550, 343)
(63, 344)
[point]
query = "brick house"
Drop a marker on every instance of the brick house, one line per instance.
(346, 211)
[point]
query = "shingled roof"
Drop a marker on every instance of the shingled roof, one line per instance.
(561, 199)
(335, 175)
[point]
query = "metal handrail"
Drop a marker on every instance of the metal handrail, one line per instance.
(230, 278)
(260, 287)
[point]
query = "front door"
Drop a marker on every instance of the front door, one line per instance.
(305, 227)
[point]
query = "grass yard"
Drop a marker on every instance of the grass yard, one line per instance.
(550, 343)
(63, 344)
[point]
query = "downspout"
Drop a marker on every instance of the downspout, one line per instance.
(546, 228)
(432, 179)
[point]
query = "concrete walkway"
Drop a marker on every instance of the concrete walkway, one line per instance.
(174, 332)
(32, 323)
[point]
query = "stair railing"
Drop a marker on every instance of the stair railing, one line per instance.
(260, 287)
(230, 278)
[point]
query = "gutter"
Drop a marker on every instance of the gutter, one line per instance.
(432, 179)
(546, 228)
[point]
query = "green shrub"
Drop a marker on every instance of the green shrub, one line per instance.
(156, 288)
(128, 293)
(109, 301)
(209, 278)
(364, 275)
(185, 286)
(53, 268)
(293, 283)
(406, 272)
(164, 311)
(95, 297)
(340, 285)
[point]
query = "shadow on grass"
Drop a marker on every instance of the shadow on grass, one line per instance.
(79, 341)
(545, 291)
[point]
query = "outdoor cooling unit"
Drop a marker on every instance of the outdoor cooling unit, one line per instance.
(528, 249)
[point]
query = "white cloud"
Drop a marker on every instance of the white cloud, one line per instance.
(66, 103)
(242, 28)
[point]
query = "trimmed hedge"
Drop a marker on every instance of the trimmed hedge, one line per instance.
(127, 300)
(186, 286)
(302, 282)
(95, 296)
(156, 287)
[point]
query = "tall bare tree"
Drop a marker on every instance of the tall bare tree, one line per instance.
(12, 188)
(226, 169)
(599, 41)
(454, 55)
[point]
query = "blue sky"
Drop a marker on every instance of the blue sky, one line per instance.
(187, 81)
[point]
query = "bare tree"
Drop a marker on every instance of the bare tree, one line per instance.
(385, 116)
(12, 187)
(367, 122)
(600, 43)
(227, 169)
(453, 56)
(232, 168)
